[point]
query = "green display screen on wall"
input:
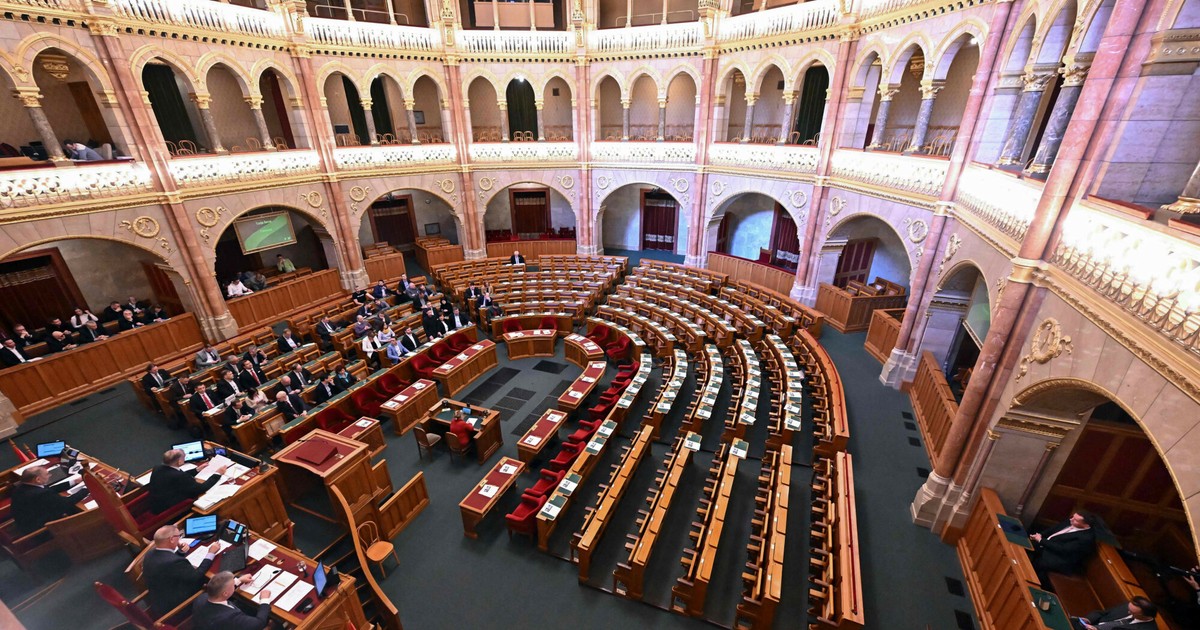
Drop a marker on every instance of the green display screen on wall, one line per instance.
(264, 231)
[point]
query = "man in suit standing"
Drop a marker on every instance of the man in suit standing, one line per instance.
(1138, 614)
(33, 504)
(11, 355)
(1063, 548)
(170, 486)
(252, 375)
(429, 319)
(207, 357)
(287, 342)
(290, 405)
(473, 293)
(409, 340)
(516, 258)
(324, 389)
(170, 578)
(213, 611)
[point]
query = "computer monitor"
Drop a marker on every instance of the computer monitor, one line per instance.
(51, 449)
(320, 580)
(199, 526)
(192, 451)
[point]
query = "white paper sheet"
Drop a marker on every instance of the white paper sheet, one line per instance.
(260, 549)
(294, 595)
(261, 579)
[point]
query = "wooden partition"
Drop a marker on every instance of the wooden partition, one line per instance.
(532, 249)
(848, 312)
(273, 304)
(387, 267)
(933, 404)
(883, 332)
(431, 253)
(60, 378)
(748, 270)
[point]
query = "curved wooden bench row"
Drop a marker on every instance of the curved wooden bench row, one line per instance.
(691, 589)
(713, 279)
(747, 390)
(588, 537)
(674, 371)
(772, 305)
(763, 579)
(787, 404)
(710, 374)
(275, 303)
(831, 427)
(721, 332)
(835, 593)
(660, 339)
(745, 322)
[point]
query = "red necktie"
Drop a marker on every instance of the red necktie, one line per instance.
(207, 402)
(256, 379)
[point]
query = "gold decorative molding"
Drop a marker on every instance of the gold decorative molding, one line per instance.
(56, 66)
(359, 193)
(487, 183)
(951, 249)
(313, 198)
(1175, 46)
(143, 226)
(1048, 343)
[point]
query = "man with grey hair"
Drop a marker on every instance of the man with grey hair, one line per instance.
(170, 578)
(34, 504)
(212, 610)
(170, 486)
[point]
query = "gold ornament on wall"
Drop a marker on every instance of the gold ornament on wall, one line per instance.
(313, 199)
(566, 181)
(445, 185)
(145, 227)
(359, 193)
(209, 217)
(56, 66)
(487, 183)
(917, 230)
(1048, 343)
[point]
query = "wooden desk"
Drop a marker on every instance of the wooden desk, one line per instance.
(562, 495)
(332, 461)
(538, 435)
(530, 343)
(407, 407)
(487, 436)
(571, 399)
(466, 366)
(368, 431)
(257, 503)
(476, 505)
(580, 350)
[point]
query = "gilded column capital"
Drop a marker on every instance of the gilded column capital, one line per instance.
(930, 89)
(101, 26)
(789, 98)
(538, 104)
(1074, 74)
(410, 103)
(255, 102)
(366, 103)
(625, 103)
(887, 92)
(503, 106)
(29, 97)
(662, 102)
(1036, 81)
(203, 101)
(751, 99)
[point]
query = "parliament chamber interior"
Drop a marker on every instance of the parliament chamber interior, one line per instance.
(826, 314)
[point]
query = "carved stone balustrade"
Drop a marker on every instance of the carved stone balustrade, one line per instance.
(203, 15)
(780, 22)
(922, 176)
(785, 158)
(650, 153)
(1003, 201)
(394, 157)
(524, 152)
(45, 186)
(237, 168)
(682, 36)
(345, 34)
(516, 43)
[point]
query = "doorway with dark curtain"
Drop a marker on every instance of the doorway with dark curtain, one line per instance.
(394, 222)
(357, 116)
(812, 106)
(658, 220)
(36, 286)
(522, 114)
(169, 109)
(379, 108)
(785, 242)
(269, 86)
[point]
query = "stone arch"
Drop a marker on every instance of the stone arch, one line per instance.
(381, 70)
(337, 67)
(718, 211)
(34, 45)
(539, 86)
(11, 69)
(174, 262)
(289, 78)
(148, 53)
(682, 68)
(486, 196)
(817, 56)
(1019, 45)
(896, 65)
(726, 74)
(486, 75)
(610, 73)
(410, 82)
(660, 88)
(949, 47)
(862, 64)
(212, 60)
(226, 221)
(640, 180)
(1089, 27)
(1054, 34)
(359, 209)
(911, 254)
(761, 70)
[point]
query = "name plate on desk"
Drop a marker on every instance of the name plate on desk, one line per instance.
(569, 483)
(606, 429)
(552, 507)
(791, 423)
(691, 441)
(739, 449)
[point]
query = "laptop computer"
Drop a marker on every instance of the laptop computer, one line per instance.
(192, 451)
(51, 449)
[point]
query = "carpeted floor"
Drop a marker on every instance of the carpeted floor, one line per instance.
(445, 580)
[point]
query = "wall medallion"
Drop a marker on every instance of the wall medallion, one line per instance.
(951, 250)
(917, 230)
(313, 199)
(359, 193)
(603, 182)
(718, 188)
(566, 181)
(445, 185)
(680, 184)
(145, 227)
(799, 198)
(1048, 343)
(487, 183)
(209, 217)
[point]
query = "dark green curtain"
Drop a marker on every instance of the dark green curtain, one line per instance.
(380, 110)
(357, 116)
(167, 103)
(812, 103)
(522, 114)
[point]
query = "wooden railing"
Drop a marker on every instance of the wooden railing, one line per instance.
(851, 313)
(388, 267)
(773, 278)
(433, 253)
(883, 332)
(934, 405)
(273, 304)
(997, 571)
(60, 378)
(532, 249)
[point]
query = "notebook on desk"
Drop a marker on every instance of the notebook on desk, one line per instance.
(316, 452)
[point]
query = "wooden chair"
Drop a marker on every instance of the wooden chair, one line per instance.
(425, 441)
(454, 446)
(377, 550)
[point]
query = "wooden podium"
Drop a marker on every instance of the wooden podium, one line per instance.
(331, 461)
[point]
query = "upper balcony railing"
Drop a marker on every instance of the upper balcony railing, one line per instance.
(792, 158)
(914, 174)
(524, 152)
(1003, 200)
(369, 35)
(874, 8)
(516, 42)
(684, 35)
(204, 15)
(237, 168)
(29, 188)
(62, 5)
(797, 18)
(394, 156)
(649, 153)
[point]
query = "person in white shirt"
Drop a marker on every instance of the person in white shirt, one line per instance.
(371, 347)
(81, 317)
(237, 289)
(10, 355)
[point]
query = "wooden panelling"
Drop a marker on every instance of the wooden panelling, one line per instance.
(851, 313)
(387, 267)
(883, 332)
(752, 271)
(531, 249)
(933, 404)
(273, 304)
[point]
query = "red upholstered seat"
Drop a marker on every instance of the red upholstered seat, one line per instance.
(549, 322)
(566, 456)
(510, 326)
(423, 366)
(367, 401)
(521, 520)
(332, 419)
(599, 334)
(600, 411)
(147, 521)
(391, 384)
(544, 486)
(585, 430)
(458, 342)
(441, 352)
(135, 614)
(618, 349)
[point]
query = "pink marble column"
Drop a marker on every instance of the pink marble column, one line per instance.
(704, 136)
(473, 242)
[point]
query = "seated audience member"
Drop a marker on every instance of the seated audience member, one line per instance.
(385, 334)
(473, 293)
(290, 405)
(256, 398)
(380, 291)
(1064, 547)
(207, 357)
(236, 413)
(409, 339)
(447, 307)
(516, 258)
(344, 379)
(153, 379)
(494, 311)
(361, 326)
(80, 152)
(371, 347)
(233, 364)
(203, 401)
(170, 579)
(442, 327)
(59, 342)
(23, 337)
(1138, 614)
(254, 355)
(300, 376)
(182, 387)
(212, 610)
(81, 317)
(284, 265)
(325, 329)
(461, 429)
(404, 287)
(33, 504)
(286, 384)
(366, 311)
(287, 342)
(360, 297)
(170, 486)
(325, 389)
(227, 386)
(381, 315)
(458, 320)
(11, 355)
(237, 289)
(155, 314)
(419, 299)
(395, 351)
(91, 333)
(252, 375)
(127, 322)
(113, 313)
(56, 323)
(133, 304)
(484, 300)
(258, 281)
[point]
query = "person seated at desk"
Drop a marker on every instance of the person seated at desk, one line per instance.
(409, 339)
(371, 347)
(207, 357)
(381, 313)
(170, 486)
(170, 579)
(516, 258)
(202, 401)
(290, 405)
(91, 333)
(213, 610)
(253, 280)
(10, 355)
(233, 364)
(385, 334)
(473, 293)
(284, 265)
(395, 351)
(227, 386)
(182, 387)
(81, 317)
(153, 379)
(366, 311)
(127, 322)
(344, 379)
(59, 342)
(132, 304)
(237, 289)
(252, 375)
(1138, 614)
(155, 314)
(56, 323)
(441, 327)
(380, 290)
(80, 152)
(484, 300)
(458, 320)
(1063, 548)
(360, 297)
(420, 300)
(256, 398)
(236, 413)
(404, 288)
(254, 355)
(300, 376)
(23, 337)
(325, 329)
(33, 504)
(493, 311)
(113, 312)
(361, 326)
(462, 430)
(286, 384)
(325, 389)
(287, 342)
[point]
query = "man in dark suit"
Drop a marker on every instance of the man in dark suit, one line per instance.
(409, 339)
(484, 300)
(233, 364)
(429, 318)
(1063, 548)
(473, 293)
(11, 355)
(300, 376)
(213, 611)
(182, 387)
(112, 313)
(458, 320)
(23, 337)
(404, 288)
(202, 401)
(227, 386)
(516, 258)
(380, 291)
(254, 355)
(33, 504)
(441, 327)
(170, 578)
(236, 413)
(420, 300)
(56, 323)
(91, 332)
(128, 322)
(170, 486)
(1138, 614)
(252, 375)
(59, 342)
(153, 379)
(287, 342)
(325, 329)
(344, 379)
(324, 389)
(290, 405)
